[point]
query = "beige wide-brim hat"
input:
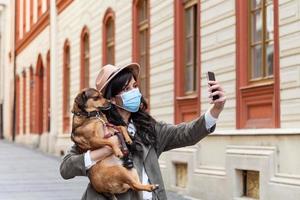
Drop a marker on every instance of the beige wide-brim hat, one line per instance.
(108, 72)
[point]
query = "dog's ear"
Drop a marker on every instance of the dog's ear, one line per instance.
(80, 101)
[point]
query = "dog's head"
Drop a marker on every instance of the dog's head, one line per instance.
(89, 100)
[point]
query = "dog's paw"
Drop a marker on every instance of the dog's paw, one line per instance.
(119, 153)
(129, 141)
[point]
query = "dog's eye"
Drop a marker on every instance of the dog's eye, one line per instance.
(96, 98)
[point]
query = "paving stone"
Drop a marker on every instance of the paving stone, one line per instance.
(28, 174)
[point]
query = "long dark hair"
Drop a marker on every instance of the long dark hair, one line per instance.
(142, 121)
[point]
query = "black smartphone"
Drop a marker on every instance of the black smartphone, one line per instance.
(211, 77)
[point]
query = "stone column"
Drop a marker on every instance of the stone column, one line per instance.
(53, 91)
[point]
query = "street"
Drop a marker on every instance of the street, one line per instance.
(27, 174)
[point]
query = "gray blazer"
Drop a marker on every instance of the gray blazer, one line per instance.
(168, 137)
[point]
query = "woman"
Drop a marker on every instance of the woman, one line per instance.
(119, 84)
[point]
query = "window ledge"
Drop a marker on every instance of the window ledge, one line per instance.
(254, 132)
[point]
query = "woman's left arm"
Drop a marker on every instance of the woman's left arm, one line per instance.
(185, 134)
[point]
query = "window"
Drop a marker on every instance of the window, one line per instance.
(190, 45)
(257, 64)
(31, 99)
(108, 37)
(24, 101)
(18, 16)
(39, 96)
(250, 184)
(17, 105)
(85, 58)
(40, 3)
(247, 184)
(24, 16)
(187, 70)
(181, 173)
(141, 42)
(47, 109)
(262, 39)
(66, 87)
(31, 13)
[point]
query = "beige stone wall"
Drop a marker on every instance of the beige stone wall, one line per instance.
(6, 66)
(162, 60)
(289, 37)
(218, 54)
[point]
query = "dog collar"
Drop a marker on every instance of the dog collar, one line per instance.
(88, 114)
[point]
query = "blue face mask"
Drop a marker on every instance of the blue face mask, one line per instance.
(131, 100)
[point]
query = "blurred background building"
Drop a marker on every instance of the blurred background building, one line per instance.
(50, 49)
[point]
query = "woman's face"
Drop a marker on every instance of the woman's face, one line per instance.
(129, 86)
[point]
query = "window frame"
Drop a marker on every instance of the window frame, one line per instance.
(39, 96)
(24, 16)
(84, 73)
(48, 87)
(136, 29)
(265, 78)
(18, 16)
(66, 86)
(109, 15)
(252, 96)
(40, 8)
(31, 14)
(17, 116)
(24, 100)
(31, 99)
(187, 107)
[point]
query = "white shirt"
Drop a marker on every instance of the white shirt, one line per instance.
(210, 121)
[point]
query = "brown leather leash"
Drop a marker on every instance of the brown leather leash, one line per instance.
(120, 136)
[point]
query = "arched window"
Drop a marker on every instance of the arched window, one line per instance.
(17, 104)
(39, 96)
(31, 99)
(24, 16)
(108, 47)
(24, 101)
(85, 58)
(140, 41)
(31, 13)
(47, 104)
(66, 86)
(40, 3)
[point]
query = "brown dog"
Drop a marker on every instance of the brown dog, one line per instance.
(89, 132)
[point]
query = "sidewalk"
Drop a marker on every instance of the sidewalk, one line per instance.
(26, 174)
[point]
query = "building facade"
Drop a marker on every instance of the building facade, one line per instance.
(6, 67)
(252, 46)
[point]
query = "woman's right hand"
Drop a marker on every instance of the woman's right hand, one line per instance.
(103, 152)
